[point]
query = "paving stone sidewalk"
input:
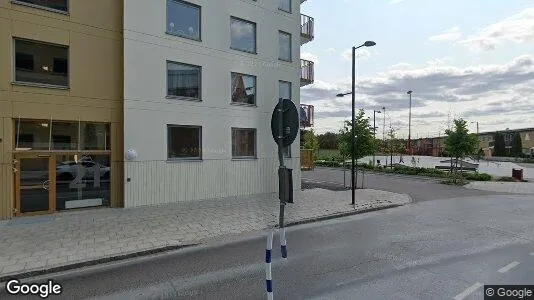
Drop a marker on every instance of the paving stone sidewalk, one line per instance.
(35, 245)
(503, 187)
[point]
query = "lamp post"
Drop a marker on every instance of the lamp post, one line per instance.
(374, 131)
(353, 134)
(384, 127)
(478, 140)
(410, 125)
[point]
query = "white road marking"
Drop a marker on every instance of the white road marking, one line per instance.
(508, 267)
(468, 291)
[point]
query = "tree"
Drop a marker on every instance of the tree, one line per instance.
(310, 140)
(459, 143)
(517, 145)
(328, 140)
(394, 145)
(499, 147)
(366, 144)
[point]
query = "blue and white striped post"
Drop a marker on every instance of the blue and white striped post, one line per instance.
(283, 243)
(268, 274)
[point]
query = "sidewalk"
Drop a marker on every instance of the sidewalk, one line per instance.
(503, 187)
(35, 245)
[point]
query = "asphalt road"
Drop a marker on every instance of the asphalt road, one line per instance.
(418, 187)
(426, 250)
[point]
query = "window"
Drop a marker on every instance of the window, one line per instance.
(243, 142)
(183, 19)
(243, 89)
(59, 5)
(284, 89)
(284, 40)
(62, 135)
(243, 35)
(183, 80)
(284, 5)
(184, 142)
(41, 63)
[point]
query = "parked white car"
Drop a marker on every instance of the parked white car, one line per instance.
(67, 170)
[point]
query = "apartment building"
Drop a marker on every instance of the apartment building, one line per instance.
(129, 103)
(487, 140)
(60, 105)
(201, 81)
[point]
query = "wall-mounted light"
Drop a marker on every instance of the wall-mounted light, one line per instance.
(131, 154)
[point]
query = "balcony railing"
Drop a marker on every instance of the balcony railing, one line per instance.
(306, 29)
(306, 115)
(306, 72)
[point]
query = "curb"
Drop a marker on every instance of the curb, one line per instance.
(92, 262)
(89, 263)
(341, 215)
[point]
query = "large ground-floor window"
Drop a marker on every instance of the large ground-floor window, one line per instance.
(61, 165)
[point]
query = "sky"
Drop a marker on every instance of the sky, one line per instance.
(469, 59)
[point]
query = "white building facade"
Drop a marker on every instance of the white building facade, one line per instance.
(201, 80)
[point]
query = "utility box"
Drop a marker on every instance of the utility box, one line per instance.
(285, 185)
(517, 174)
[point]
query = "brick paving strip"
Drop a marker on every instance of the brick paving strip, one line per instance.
(31, 246)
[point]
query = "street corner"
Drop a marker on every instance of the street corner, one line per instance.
(386, 196)
(526, 188)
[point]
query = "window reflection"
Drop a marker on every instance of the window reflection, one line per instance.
(61, 135)
(82, 181)
(243, 88)
(243, 35)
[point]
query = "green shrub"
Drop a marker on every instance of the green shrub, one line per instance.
(477, 176)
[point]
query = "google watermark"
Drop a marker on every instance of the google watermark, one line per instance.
(43, 290)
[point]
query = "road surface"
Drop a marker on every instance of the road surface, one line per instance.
(438, 249)
(418, 187)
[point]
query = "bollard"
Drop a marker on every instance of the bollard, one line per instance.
(268, 274)
(283, 243)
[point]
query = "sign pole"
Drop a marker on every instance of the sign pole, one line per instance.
(281, 159)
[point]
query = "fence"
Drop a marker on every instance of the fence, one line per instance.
(306, 159)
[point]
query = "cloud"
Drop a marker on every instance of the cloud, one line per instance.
(396, 1)
(451, 34)
(483, 93)
(401, 66)
(361, 54)
(309, 56)
(517, 29)
(331, 50)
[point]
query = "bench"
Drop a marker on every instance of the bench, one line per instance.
(449, 167)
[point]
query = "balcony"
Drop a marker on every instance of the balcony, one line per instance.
(306, 116)
(306, 29)
(306, 72)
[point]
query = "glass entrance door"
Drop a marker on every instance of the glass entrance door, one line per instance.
(35, 186)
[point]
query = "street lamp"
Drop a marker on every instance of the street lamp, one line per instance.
(374, 131)
(410, 125)
(478, 139)
(384, 127)
(353, 135)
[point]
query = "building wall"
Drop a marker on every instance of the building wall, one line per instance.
(93, 32)
(153, 180)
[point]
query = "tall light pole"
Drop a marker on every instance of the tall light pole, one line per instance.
(478, 140)
(353, 134)
(374, 132)
(384, 127)
(410, 125)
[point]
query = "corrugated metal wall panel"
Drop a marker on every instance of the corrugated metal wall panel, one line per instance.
(158, 182)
